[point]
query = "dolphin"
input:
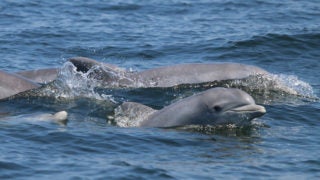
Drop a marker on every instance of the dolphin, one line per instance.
(113, 76)
(167, 76)
(216, 106)
(11, 84)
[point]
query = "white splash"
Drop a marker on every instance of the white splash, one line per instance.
(292, 83)
(276, 83)
(72, 83)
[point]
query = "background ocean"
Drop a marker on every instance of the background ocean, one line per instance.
(282, 37)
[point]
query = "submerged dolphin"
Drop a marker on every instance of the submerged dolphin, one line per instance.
(11, 84)
(60, 117)
(216, 106)
(165, 76)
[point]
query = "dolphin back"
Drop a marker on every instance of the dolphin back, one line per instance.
(42, 76)
(197, 73)
(11, 84)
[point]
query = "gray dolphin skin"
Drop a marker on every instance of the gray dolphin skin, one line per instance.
(42, 76)
(167, 76)
(11, 84)
(197, 73)
(216, 106)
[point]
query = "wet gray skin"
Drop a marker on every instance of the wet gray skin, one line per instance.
(42, 76)
(166, 76)
(11, 84)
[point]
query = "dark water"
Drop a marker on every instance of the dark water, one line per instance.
(282, 37)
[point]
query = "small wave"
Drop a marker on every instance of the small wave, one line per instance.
(300, 41)
(5, 165)
(121, 7)
(227, 130)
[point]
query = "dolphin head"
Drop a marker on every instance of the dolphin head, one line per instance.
(216, 106)
(229, 106)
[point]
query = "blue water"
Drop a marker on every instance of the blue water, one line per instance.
(282, 37)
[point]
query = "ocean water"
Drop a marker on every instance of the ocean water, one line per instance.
(283, 37)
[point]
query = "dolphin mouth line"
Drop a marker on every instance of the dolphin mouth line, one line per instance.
(250, 109)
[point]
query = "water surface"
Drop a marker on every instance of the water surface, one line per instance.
(281, 37)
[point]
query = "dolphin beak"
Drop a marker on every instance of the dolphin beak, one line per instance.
(253, 109)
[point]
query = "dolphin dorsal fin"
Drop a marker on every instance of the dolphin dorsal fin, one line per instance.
(83, 64)
(131, 114)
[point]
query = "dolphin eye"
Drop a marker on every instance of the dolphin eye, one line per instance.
(217, 108)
